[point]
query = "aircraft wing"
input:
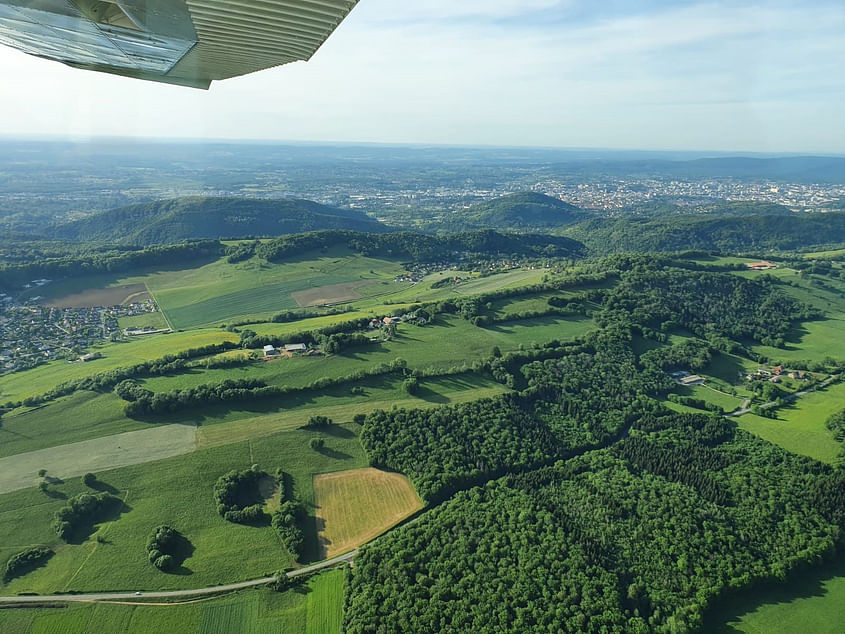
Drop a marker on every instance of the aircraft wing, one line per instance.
(185, 42)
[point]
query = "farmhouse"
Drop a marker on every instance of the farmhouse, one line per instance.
(761, 266)
(270, 351)
(692, 379)
(295, 347)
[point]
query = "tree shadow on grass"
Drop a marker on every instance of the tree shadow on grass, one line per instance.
(801, 584)
(328, 452)
(56, 495)
(310, 550)
(181, 550)
(111, 512)
(429, 395)
(338, 431)
(103, 487)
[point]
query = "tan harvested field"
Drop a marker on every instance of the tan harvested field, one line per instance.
(355, 506)
(99, 454)
(110, 296)
(331, 294)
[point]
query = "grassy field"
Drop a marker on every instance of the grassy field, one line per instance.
(341, 406)
(219, 291)
(727, 402)
(80, 416)
(355, 506)
(175, 491)
(324, 608)
(313, 323)
(810, 601)
(77, 433)
(800, 427)
(99, 454)
(821, 255)
(448, 342)
(314, 607)
(147, 320)
(38, 380)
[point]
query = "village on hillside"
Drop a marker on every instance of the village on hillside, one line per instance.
(32, 334)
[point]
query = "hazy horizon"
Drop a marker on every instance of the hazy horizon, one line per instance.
(659, 76)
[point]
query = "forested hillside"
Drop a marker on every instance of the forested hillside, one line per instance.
(421, 247)
(763, 232)
(580, 503)
(637, 538)
(520, 211)
(168, 221)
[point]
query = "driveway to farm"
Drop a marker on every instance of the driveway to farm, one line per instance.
(744, 409)
(173, 594)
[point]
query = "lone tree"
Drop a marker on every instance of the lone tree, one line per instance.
(89, 479)
(316, 443)
(42, 473)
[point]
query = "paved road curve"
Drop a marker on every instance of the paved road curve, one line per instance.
(174, 594)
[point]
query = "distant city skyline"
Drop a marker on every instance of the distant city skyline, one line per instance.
(700, 76)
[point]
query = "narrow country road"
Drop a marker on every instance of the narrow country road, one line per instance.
(744, 409)
(174, 594)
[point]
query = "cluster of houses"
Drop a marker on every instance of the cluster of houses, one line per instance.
(31, 334)
(776, 374)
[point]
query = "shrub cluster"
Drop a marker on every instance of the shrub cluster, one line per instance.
(81, 511)
(286, 521)
(163, 548)
(22, 562)
(237, 497)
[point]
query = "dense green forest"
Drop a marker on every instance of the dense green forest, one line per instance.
(77, 264)
(762, 232)
(169, 221)
(424, 248)
(579, 503)
(637, 538)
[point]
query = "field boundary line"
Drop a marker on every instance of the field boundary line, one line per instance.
(104, 530)
(160, 307)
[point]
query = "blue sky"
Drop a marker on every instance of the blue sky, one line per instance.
(612, 74)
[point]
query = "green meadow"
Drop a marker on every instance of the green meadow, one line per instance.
(80, 416)
(220, 291)
(38, 380)
(314, 606)
(448, 342)
(810, 601)
(800, 426)
(175, 491)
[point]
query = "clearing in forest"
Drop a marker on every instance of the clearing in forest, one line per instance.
(330, 294)
(355, 506)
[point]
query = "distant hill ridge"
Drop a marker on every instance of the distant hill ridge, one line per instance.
(170, 221)
(762, 232)
(520, 211)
